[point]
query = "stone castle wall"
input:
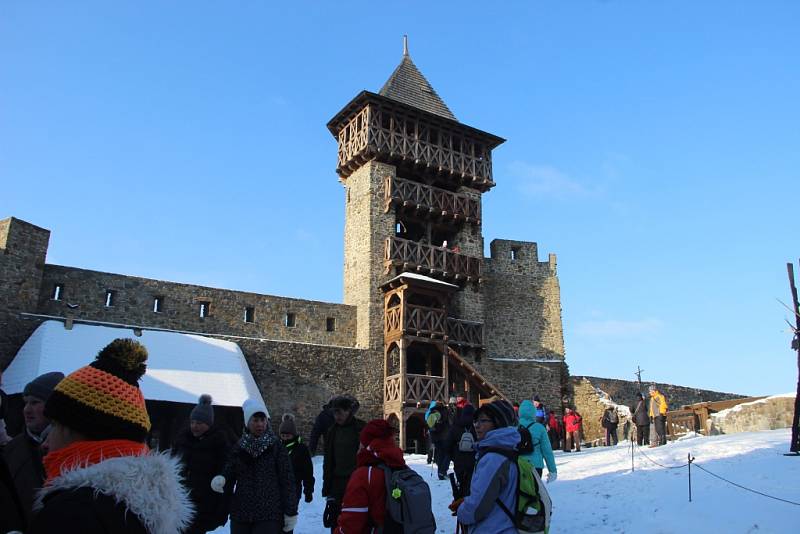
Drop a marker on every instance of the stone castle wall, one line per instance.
(133, 304)
(299, 378)
(764, 414)
(523, 303)
(623, 392)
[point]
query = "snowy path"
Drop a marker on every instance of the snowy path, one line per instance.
(597, 492)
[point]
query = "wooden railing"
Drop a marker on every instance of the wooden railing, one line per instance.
(391, 390)
(465, 333)
(422, 321)
(437, 202)
(680, 422)
(425, 388)
(436, 261)
(377, 130)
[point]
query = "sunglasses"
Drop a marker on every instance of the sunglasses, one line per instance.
(481, 421)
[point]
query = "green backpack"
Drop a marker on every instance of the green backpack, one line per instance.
(534, 506)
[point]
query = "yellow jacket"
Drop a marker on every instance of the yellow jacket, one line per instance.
(657, 398)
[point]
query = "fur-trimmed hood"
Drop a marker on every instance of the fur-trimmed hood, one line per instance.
(149, 486)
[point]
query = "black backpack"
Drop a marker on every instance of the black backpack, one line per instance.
(408, 503)
(526, 441)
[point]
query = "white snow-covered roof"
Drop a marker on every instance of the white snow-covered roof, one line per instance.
(423, 278)
(180, 367)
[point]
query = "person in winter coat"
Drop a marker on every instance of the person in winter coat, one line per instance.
(259, 469)
(495, 476)
(24, 453)
(341, 446)
(572, 430)
(4, 437)
(542, 414)
(101, 476)
(203, 450)
(642, 420)
(439, 419)
(542, 451)
(322, 424)
(658, 413)
(13, 517)
(364, 501)
(554, 431)
(610, 421)
(463, 460)
(300, 457)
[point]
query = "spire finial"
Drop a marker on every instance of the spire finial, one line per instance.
(405, 45)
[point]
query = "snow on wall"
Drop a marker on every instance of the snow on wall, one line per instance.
(180, 367)
(764, 414)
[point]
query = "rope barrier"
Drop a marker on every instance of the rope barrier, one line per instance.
(638, 448)
(745, 488)
(693, 462)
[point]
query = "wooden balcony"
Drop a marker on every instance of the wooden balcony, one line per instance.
(464, 333)
(419, 388)
(375, 127)
(434, 261)
(431, 201)
(419, 321)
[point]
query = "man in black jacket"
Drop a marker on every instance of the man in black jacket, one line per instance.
(641, 420)
(341, 446)
(322, 424)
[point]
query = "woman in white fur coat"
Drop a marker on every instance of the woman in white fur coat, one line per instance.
(101, 477)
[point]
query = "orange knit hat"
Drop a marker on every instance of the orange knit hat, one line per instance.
(103, 400)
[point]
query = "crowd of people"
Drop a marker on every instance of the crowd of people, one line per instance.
(82, 463)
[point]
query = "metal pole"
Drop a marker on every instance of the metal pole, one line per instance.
(689, 455)
(632, 469)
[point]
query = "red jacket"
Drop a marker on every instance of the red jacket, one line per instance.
(572, 422)
(553, 422)
(364, 502)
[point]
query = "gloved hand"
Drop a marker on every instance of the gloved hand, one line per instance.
(309, 497)
(218, 483)
(455, 504)
(331, 513)
(289, 522)
(551, 477)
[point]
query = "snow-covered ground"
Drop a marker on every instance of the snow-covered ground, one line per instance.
(597, 492)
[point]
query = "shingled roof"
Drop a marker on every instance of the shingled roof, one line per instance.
(409, 86)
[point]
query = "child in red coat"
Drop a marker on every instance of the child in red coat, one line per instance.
(364, 503)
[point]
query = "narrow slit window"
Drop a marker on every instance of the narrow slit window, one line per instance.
(58, 291)
(205, 308)
(110, 298)
(290, 320)
(514, 253)
(330, 324)
(249, 314)
(158, 304)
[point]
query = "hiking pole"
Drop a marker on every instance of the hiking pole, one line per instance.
(689, 455)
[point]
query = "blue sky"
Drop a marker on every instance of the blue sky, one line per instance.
(653, 146)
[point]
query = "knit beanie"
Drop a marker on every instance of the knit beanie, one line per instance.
(103, 400)
(375, 429)
(42, 386)
(500, 412)
(252, 407)
(203, 412)
(287, 425)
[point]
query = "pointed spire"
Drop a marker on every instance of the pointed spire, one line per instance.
(409, 86)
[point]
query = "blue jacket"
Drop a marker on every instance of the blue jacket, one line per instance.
(542, 451)
(494, 477)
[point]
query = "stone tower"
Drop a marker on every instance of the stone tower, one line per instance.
(413, 267)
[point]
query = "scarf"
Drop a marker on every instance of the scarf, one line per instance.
(86, 453)
(255, 446)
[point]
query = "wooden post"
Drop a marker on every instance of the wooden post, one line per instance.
(795, 444)
(402, 343)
